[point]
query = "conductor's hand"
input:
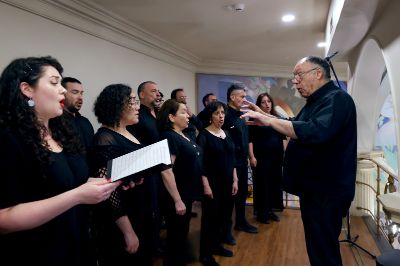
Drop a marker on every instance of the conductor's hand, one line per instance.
(251, 106)
(180, 207)
(259, 119)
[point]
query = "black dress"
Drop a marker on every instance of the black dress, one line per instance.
(135, 203)
(218, 163)
(187, 170)
(267, 176)
(64, 239)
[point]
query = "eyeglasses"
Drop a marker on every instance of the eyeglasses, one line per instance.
(299, 76)
(133, 102)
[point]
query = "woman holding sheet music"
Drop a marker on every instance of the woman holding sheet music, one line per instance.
(183, 181)
(122, 222)
(44, 175)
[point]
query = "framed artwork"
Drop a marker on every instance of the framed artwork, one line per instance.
(281, 90)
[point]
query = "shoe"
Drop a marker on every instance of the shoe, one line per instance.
(246, 227)
(263, 220)
(208, 261)
(274, 217)
(280, 209)
(230, 240)
(221, 251)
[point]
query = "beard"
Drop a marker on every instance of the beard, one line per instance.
(72, 109)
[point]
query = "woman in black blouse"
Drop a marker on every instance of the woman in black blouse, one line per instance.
(122, 222)
(266, 149)
(220, 184)
(183, 181)
(44, 175)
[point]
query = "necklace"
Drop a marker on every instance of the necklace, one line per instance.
(218, 132)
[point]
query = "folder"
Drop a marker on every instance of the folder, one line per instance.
(139, 160)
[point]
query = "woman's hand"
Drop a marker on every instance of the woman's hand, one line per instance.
(253, 161)
(207, 191)
(180, 207)
(96, 190)
(235, 187)
(131, 242)
(132, 184)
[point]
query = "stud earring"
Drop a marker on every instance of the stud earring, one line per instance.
(31, 103)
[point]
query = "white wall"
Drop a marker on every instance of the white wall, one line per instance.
(96, 62)
(385, 32)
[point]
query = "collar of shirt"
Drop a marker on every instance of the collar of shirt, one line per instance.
(321, 92)
(234, 111)
(77, 114)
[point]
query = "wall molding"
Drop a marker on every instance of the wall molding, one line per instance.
(87, 17)
(82, 17)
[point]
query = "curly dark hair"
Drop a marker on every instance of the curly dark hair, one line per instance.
(110, 104)
(15, 114)
(211, 108)
(169, 107)
(261, 96)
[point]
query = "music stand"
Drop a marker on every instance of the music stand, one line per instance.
(351, 241)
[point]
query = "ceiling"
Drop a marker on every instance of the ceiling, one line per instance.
(209, 31)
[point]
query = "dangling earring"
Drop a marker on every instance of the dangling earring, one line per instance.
(31, 103)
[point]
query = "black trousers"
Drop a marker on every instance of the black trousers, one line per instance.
(241, 196)
(177, 231)
(322, 220)
(215, 222)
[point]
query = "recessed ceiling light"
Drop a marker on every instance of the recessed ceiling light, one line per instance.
(288, 18)
(239, 7)
(321, 44)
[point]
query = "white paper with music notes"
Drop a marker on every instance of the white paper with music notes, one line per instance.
(139, 160)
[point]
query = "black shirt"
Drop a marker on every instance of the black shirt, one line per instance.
(238, 130)
(194, 124)
(267, 142)
(218, 162)
(202, 116)
(146, 130)
(187, 167)
(84, 128)
(324, 157)
(64, 239)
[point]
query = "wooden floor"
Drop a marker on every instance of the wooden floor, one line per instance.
(281, 243)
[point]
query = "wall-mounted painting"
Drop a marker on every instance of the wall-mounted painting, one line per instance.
(281, 90)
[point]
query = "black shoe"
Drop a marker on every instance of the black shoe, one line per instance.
(280, 209)
(230, 240)
(209, 261)
(221, 251)
(274, 217)
(246, 227)
(263, 220)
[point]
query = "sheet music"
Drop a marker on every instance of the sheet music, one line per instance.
(139, 160)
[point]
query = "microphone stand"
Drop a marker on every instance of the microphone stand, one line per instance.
(349, 239)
